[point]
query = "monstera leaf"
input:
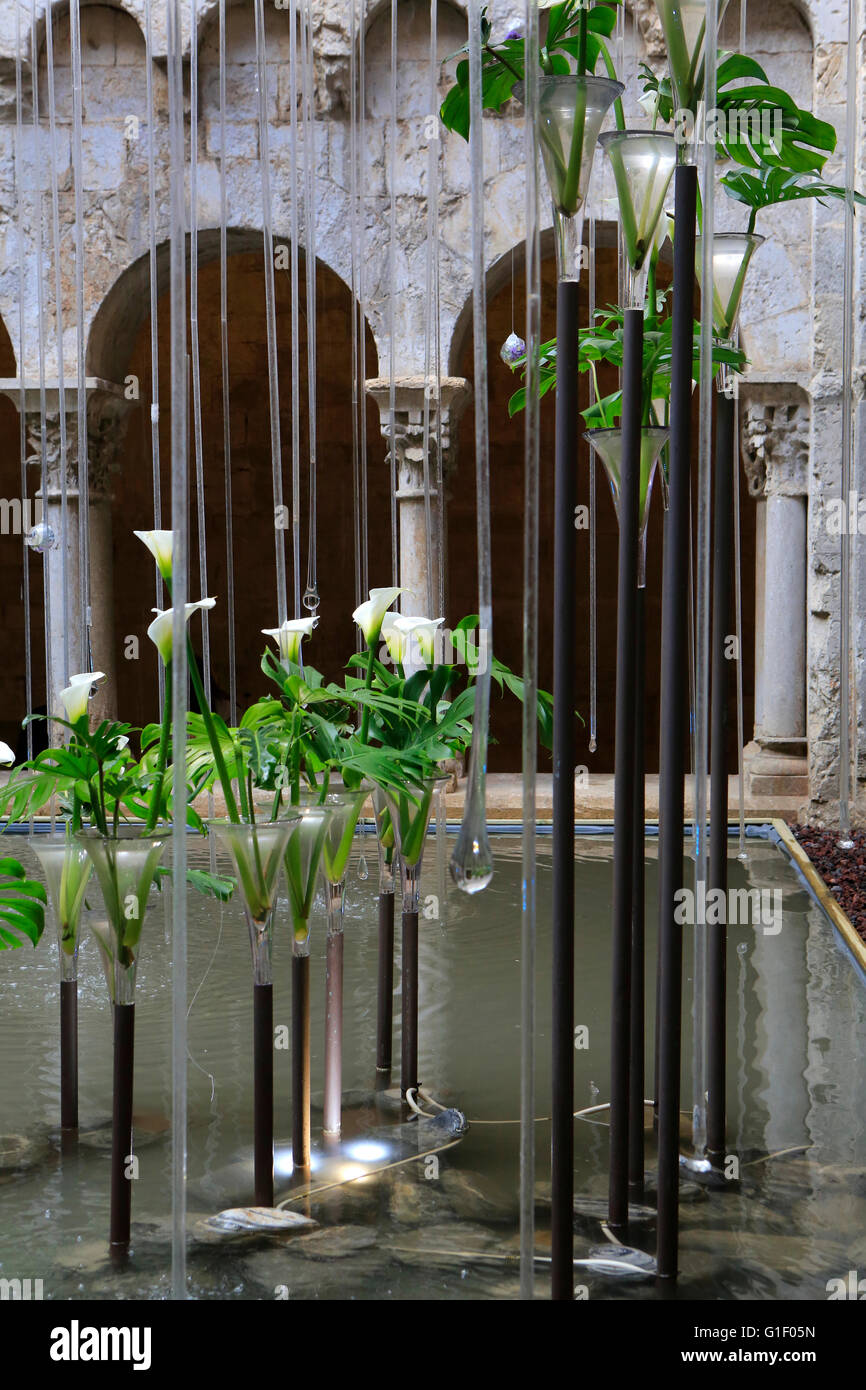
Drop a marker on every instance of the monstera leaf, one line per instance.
(22, 906)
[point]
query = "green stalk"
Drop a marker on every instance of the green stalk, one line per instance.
(162, 756)
(368, 682)
(610, 69)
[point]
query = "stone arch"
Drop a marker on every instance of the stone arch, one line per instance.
(253, 518)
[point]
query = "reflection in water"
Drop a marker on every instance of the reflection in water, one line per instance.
(797, 1029)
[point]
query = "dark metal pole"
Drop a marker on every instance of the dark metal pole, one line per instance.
(674, 723)
(624, 842)
(638, 1009)
(564, 601)
(717, 933)
(121, 1125)
(300, 1062)
(409, 1030)
(263, 1094)
(385, 1011)
(68, 1054)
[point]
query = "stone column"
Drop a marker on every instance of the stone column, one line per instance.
(78, 640)
(775, 432)
(409, 448)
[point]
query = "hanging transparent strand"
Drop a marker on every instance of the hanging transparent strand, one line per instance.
(271, 322)
(311, 593)
(357, 387)
(154, 311)
(224, 373)
(432, 384)
(530, 667)
(392, 302)
(593, 532)
(65, 615)
(702, 596)
(362, 294)
(81, 401)
(195, 357)
(295, 311)
(22, 380)
(180, 593)
(848, 435)
(472, 862)
(40, 310)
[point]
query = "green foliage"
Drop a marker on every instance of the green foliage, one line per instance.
(22, 907)
(767, 188)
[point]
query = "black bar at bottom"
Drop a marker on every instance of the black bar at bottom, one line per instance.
(638, 1009)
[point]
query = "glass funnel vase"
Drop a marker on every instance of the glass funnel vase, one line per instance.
(569, 117)
(410, 816)
(67, 868)
(256, 851)
(608, 446)
(643, 163)
(125, 866)
(339, 834)
(732, 252)
(684, 26)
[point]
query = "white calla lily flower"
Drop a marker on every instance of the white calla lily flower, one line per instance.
(77, 693)
(160, 630)
(289, 635)
(369, 615)
(418, 637)
(160, 544)
(7, 757)
(393, 638)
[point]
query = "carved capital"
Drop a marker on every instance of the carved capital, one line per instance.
(447, 399)
(774, 439)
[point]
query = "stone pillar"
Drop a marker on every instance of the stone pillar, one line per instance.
(775, 432)
(409, 447)
(78, 641)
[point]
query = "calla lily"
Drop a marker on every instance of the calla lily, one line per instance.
(7, 757)
(289, 636)
(418, 636)
(370, 614)
(160, 630)
(159, 543)
(393, 638)
(77, 693)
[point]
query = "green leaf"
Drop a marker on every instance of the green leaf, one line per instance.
(22, 906)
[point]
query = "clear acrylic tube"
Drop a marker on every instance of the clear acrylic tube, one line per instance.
(271, 321)
(295, 310)
(702, 596)
(180, 589)
(432, 384)
(83, 450)
(472, 862)
(154, 313)
(530, 667)
(392, 301)
(848, 438)
(40, 309)
(195, 356)
(311, 593)
(65, 614)
(224, 371)
(593, 532)
(357, 384)
(22, 380)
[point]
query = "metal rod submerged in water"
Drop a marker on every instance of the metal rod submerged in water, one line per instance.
(674, 706)
(624, 829)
